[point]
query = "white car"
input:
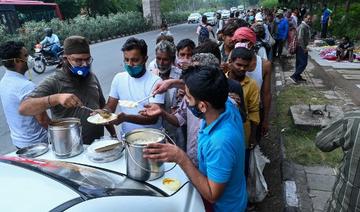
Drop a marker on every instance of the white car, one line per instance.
(210, 17)
(225, 14)
(194, 18)
(77, 184)
(233, 9)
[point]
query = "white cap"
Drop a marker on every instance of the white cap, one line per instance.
(258, 17)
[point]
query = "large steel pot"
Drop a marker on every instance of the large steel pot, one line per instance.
(65, 137)
(137, 166)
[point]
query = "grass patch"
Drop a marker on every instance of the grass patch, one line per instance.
(299, 143)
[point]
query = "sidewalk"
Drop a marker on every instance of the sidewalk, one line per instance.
(307, 188)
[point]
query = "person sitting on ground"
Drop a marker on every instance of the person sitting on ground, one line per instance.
(14, 87)
(220, 176)
(68, 89)
(51, 40)
(204, 30)
(345, 50)
(343, 133)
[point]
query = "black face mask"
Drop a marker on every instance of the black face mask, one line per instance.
(49, 34)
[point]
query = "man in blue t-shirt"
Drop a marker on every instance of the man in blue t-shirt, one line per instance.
(326, 13)
(221, 147)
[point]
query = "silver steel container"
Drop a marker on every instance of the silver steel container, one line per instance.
(137, 166)
(65, 137)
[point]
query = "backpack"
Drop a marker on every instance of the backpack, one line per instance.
(203, 34)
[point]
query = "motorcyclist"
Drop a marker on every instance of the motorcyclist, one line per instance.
(53, 41)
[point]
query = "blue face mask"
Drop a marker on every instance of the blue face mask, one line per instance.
(134, 70)
(80, 70)
(195, 111)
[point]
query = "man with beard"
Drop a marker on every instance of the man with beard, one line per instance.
(14, 86)
(165, 58)
(134, 84)
(69, 88)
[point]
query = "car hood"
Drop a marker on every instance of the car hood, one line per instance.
(25, 190)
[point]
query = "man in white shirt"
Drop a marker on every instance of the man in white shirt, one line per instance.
(134, 84)
(14, 87)
(53, 41)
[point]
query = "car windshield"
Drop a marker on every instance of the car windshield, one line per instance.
(89, 182)
(209, 14)
(194, 14)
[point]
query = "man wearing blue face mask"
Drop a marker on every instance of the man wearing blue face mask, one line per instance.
(69, 88)
(219, 177)
(134, 84)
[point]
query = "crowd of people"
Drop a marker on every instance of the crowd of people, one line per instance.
(213, 99)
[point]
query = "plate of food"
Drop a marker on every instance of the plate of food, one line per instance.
(99, 119)
(127, 103)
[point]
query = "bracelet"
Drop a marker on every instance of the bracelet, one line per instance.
(49, 104)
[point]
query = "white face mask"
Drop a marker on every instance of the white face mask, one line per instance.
(30, 62)
(244, 45)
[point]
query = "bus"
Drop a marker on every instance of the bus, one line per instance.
(13, 13)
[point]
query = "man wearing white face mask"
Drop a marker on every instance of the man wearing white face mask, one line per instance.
(14, 86)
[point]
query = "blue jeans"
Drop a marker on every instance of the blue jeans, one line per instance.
(301, 62)
(54, 50)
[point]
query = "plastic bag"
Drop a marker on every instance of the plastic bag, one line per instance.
(257, 187)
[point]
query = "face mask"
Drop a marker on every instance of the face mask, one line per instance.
(195, 111)
(30, 63)
(244, 45)
(134, 70)
(183, 61)
(80, 70)
(251, 18)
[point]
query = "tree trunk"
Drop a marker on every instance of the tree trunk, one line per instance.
(347, 6)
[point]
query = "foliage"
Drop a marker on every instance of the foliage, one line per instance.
(269, 3)
(346, 24)
(175, 17)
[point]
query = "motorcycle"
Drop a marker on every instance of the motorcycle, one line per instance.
(43, 57)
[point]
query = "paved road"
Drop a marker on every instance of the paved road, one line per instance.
(108, 60)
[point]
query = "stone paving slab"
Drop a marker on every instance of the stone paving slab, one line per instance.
(320, 170)
(320, 182)
(302, 115)
(319, 199)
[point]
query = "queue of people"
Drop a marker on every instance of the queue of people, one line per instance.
(213, 101)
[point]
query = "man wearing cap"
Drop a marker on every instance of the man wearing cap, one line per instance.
(69, 88)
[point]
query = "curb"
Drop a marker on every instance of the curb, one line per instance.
(290, 197)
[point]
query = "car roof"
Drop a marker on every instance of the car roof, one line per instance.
(25, 190)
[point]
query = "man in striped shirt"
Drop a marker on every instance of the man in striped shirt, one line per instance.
(344, 133)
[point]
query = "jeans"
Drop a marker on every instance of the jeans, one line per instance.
(324, 29)
(54, 50)
(301, 62)
(278, 47)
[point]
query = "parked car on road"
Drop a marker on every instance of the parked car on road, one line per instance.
(225, 14)
(78, 184)
(210, 17)
(194, 18)
(233, 9)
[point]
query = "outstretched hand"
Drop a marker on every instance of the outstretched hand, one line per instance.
(151, 110)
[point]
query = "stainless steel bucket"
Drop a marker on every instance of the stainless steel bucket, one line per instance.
(65, 137)
(137, 166)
